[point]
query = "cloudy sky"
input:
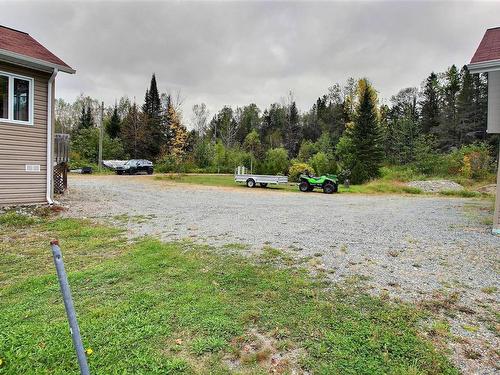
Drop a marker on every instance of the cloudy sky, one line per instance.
(235, 53)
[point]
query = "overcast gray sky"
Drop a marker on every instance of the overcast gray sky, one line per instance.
(241, 52)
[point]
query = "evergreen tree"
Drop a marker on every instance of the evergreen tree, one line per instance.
(365, 135)
(447, 130)
(224, 127)
(465, 105)
(292, 136)
(402, 122)
(247, 119)
(430, 112)
(114, 125)
(480, 102)
(154, 126)
(86, 120)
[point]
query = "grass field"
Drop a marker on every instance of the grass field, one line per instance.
(178, 308)
(380, 186)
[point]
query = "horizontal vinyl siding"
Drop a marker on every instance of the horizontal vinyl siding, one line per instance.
(25, 144)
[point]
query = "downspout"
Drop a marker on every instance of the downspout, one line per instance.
(49, 137)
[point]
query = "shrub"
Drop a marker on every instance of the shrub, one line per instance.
(276, 161)
(322, 164)
(401, 173)
(203, 153)
(169, 163)
(474, 160)
(296, 169)
(307, 150)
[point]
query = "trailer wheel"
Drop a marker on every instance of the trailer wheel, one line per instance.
(251, 183)
(263, 184)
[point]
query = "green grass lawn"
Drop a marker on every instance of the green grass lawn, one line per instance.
(379, 186)
(177, 308)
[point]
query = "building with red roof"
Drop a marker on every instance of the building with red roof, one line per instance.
(487, 60)
(27, 82)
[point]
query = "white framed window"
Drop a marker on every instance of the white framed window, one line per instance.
(16, 98)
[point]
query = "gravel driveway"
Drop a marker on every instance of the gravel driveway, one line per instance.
(410, 247)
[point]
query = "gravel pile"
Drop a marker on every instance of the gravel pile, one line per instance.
(435, 186)
(409, 247)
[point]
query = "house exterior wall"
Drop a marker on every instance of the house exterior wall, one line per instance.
(496, 218)
(22, 145)
(494, 102)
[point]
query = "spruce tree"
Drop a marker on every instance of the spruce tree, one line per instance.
(465, 106)
(480, 101)
(153, 121)
(86, 120)
(292, 132)
(447, 130)
(114, 125)
(430, 112)
(366, 135)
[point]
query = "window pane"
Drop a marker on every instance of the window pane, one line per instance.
(21, 99)
(4, 97)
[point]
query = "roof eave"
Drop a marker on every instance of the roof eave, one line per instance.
(484, 66)
(33, 63)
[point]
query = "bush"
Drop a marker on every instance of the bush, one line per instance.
(401, 173)
(203, 153)
(86, 144)
(322, 164)
(307, 150)
(168, 164)
(296, 169)
(472, 161)
(276, 161)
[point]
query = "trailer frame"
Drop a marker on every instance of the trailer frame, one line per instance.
(251, 180)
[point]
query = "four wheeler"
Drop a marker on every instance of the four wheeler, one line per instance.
(329, 183)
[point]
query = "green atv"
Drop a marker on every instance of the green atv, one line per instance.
(329, 183)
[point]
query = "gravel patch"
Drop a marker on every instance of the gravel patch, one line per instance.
(414, 248)
(435, 186)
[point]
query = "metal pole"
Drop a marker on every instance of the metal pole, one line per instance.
(70, 309)
(101, 135)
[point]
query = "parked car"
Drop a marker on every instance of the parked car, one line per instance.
(134, 166)
(86, 170)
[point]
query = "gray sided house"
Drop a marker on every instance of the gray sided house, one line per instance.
(27, 84)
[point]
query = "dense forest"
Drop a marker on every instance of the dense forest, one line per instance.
(437, 129)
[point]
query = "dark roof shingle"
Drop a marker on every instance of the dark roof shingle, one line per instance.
(489, 48)
(23, 44)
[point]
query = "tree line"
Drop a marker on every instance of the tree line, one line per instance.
(346, 131)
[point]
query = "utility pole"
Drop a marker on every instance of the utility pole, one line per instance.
(101, 135)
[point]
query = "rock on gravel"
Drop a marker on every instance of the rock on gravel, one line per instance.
(435, 186)
(488, 189)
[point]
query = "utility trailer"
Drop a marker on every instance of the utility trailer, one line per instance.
(251, 180)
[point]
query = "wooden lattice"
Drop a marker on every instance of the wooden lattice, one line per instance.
(60, 178)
